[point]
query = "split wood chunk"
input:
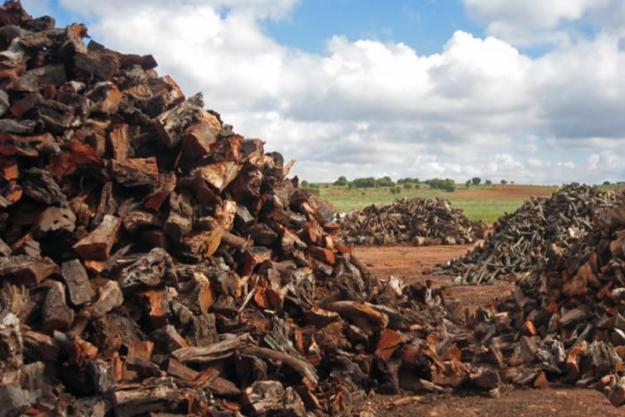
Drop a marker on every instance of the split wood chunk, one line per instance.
(27, 270)
(56, 314)
(105, 97)
(119, 140)
(218, 175)
(324, 255)
(97, 245)
(135, 172)
(95, 64)
(32, 81)
(362, 315)
(148, 271)
(269, 397)
(199, 138)
(158, 307)
(109, 297)
(39, 185)
(55, 219)
(77, 281)
(166, 185)
(139, 400)
(617, 393)
(213, 352)
(173, 123)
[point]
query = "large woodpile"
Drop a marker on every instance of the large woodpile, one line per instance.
(522, 241)
(416, 221)
(153, 262)
(566, 322)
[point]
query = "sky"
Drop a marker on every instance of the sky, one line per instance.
(530, 91)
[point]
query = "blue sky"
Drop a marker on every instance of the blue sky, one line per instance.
(527, 90)
(424, 25)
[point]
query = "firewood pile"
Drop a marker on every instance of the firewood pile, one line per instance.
(566, 322)
(416, 221)
(153, 262)
(523, 240)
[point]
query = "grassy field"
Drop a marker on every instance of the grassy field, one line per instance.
(486, 203)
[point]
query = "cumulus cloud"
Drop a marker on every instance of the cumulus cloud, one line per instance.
(479, 106)
(530, 22)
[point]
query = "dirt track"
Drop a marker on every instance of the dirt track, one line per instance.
(412, 263)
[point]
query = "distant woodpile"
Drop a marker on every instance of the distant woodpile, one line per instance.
(414, 221)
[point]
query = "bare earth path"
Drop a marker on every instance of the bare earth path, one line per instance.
(412, 263)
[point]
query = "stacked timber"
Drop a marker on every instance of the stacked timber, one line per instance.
(566, 322)
(416, 221)
(522, 241)
(153, 262)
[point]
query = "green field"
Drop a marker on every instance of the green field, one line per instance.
(486, 203)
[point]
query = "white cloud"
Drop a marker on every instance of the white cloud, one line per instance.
(258, 8)
(363, 107)
(530, 22)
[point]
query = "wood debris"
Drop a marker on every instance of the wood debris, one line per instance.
(416, 221)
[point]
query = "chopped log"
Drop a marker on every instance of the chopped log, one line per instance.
(388, 343)
(173, 123)
(617, 393)
(5, 250)
(302, 367)
(54, 220)
(178, 370)
(148, 271)
(98, 244)
(324, 255)
(32, 81)
(56, 314)
(138, 400)
(158, 307)
(98, 65)
(135, 172)
(218, 175)
(105, 97)
(119, 141)
(136, 220)
(39, 185)
(39, 346)
(486, 379)
(109, 297)
(77, 281)
(214, 352)
(362, 315)
(200, 137)
(270, 397)
(27, 270)
(166, 184)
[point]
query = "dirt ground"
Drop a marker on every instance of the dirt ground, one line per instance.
(412, 264)
(506, 192)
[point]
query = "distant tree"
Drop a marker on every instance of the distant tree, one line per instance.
(606, 182)
(305, 184)
(476, 180)
(407, 185)
(503, 182)
(446, 184)
(488, 182)
(408, 180)
(341, 181)
(385, 182)
(369, 182)
(468, 183)
(395, 190)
